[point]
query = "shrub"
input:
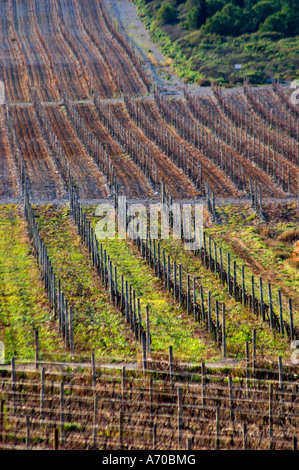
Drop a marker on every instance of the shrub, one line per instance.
(230, 21)
(225, 22)
(213, 6)
(197, 15)
(204, 82)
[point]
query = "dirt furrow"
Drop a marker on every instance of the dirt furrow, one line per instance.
(273, 112)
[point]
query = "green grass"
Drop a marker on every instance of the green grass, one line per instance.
(199, 56)
(169, 323)
(24, 306)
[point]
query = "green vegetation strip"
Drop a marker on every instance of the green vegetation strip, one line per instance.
(23, 302)
(98, 326)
